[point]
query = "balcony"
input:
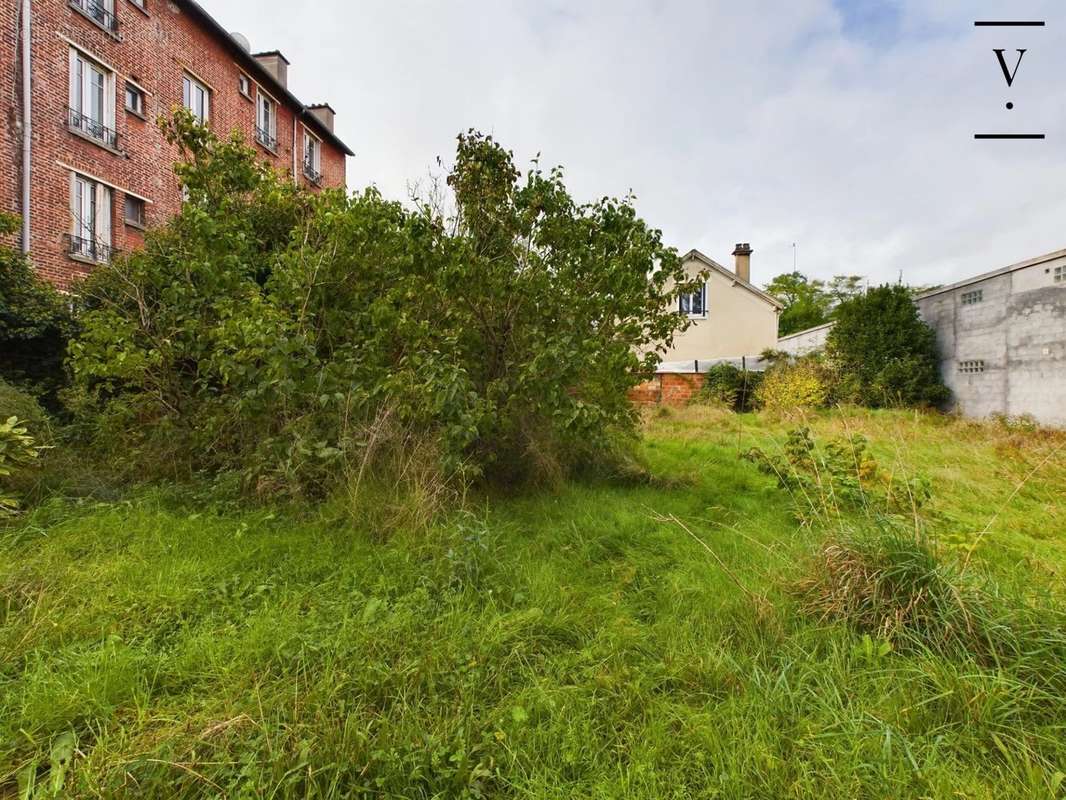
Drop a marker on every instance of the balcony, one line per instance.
(94, 10)
(91, 129)
(312, 174)
(264, 138)
(83, 249)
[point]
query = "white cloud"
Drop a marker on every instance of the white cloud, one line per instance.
(766, 122)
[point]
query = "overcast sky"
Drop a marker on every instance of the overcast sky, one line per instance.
(845, 126)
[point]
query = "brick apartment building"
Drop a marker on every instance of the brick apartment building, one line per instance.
(102, 72)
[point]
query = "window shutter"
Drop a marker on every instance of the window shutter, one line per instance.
(75, 88)
(74, 199)
(103, 214)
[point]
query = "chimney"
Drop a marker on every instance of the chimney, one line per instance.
(742, 252)
(325, 114)
(276, 64)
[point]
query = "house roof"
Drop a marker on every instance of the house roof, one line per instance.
(696, 255)
(1032, 262)
(249, 62)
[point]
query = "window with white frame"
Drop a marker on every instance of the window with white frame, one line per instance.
(244, 85)
(312, 158)
(266, 121)
(91, 110)
(197, 98)
(972, 367)
(90, 211)
(1060, 274)
(973, 298)
(694, 303)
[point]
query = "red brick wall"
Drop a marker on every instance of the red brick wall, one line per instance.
(155, 50)
(668, 388)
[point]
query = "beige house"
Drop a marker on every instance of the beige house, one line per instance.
(730, 316)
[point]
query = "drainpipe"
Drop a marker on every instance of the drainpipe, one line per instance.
(27, 124)
(295, 118)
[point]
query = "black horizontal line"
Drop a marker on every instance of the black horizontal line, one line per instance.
(1009, 24)
(1008, 136)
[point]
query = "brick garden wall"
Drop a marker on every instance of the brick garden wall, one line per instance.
(668, 388)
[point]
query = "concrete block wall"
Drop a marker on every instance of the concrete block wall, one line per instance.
(1018, 330)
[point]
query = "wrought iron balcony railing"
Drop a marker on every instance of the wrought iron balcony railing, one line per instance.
(89, 249)
(311, 173)
(91, 128)
(96, 11)
(264, 138)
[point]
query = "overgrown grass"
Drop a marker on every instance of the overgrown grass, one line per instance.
(575, 644)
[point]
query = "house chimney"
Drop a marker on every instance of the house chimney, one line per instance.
(325, 114)
(276, 64)
(742, 253)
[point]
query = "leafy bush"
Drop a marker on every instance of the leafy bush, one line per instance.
(885, 354)
(18, 450)
(266, 329)
(35, 324)
(730, 386)
(840, 477)
(806, 383)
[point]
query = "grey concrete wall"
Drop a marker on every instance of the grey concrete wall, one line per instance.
(804, 342)
(1018, 330)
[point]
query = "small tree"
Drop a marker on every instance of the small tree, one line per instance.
(264, 325)
(807, 304)
(884, 353)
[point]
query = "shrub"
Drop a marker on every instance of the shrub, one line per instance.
(884, 353)
(727, 385)
(18, 451)
(805, 383)
(266, 328)
(35, 325)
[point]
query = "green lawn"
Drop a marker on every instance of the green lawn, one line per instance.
(563, 645)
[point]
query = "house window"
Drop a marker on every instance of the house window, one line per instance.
(973, 298)
(197, 98)
(695, 303)
(1060, 274)
(266, 122)
(134, 99)
(91, 111)
(971, 367)
(244, 84)
(102, 12)
(90, 211)
(141, 4)
(312, 158)
(134, 211)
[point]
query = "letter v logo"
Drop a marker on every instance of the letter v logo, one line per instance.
(1003, 64)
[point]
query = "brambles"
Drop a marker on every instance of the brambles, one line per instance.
(842, 476)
